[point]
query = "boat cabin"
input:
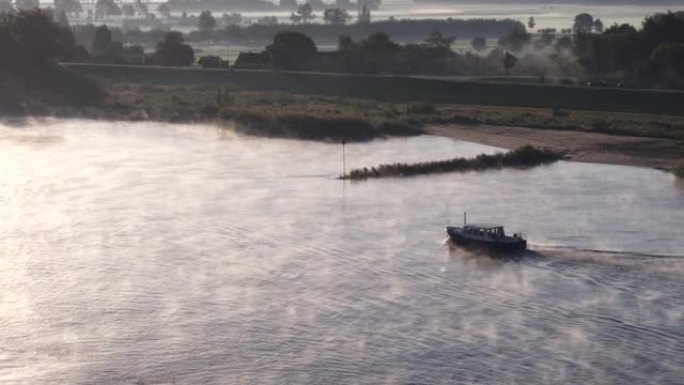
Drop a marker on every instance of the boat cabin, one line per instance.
(489, 231)
(492, 236)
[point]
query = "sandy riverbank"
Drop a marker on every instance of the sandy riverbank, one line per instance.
(579, 146)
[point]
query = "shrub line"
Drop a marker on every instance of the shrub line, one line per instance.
(522, 157)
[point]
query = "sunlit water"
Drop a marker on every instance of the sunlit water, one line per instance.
(157, 254)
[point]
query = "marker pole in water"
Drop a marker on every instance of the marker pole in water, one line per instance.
(344, 160)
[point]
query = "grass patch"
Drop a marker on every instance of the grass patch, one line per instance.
(334, 117)
(522, 157)
(297, 114)
(404, 89)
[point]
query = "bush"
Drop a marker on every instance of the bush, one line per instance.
(557, 112)
(679, 169)
(211, 61)
(600, 125)
(526, 156)
(285, 125)
(421, 108)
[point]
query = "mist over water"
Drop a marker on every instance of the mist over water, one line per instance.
(182, 254)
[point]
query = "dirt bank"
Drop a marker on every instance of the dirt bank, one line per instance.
(579, 146)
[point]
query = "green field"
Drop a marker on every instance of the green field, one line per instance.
(402, 89)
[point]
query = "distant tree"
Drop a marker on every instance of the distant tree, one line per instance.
(364, 16)
(436, 40)
(70, 51)
(598, 25)
(337, 16)
(663, 28)
(6, 6)
(508, 61)
(231, 19)
(61, 19)
(667, 64)
(291, 50)
(516, 39)
(102, 42)
(26, 5)
(36, 38)
(546, 38)
(106, 8)
(141, 8)
(304, 13)
(531, 23)
(289, 5)
(206, 22)
(615, 50)
(267, 20)
(128, 10)
(584, 23)
(164, 10)
(292, 41)
(132, 54)
(380, 42)
(564, 43)
(173, 51)
(479, 44)
(211, 61)
(70, 7)
(345, 43)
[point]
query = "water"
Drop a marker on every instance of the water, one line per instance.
(155, 254)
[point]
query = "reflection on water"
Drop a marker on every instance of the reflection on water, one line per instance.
(149, 253)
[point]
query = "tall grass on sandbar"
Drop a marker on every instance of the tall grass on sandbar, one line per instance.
(522, 157)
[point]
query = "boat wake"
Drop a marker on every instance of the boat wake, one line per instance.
(568, 254)
(552, 248)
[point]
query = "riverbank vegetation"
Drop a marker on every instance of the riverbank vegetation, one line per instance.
(679, 169)
(370, 117)
(306, 116)
(522, 157)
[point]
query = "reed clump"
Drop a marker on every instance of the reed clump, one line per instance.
(297, 125)
(522, 157)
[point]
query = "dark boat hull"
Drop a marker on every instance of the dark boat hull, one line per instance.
(519, 245)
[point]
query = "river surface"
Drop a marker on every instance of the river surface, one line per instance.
(141, 253)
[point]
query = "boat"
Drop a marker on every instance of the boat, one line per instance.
(486, 235)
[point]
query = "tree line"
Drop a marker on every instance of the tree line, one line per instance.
(652, 55)
(32, 43)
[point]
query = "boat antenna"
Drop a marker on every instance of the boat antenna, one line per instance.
(464, 218)
(344, 160)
